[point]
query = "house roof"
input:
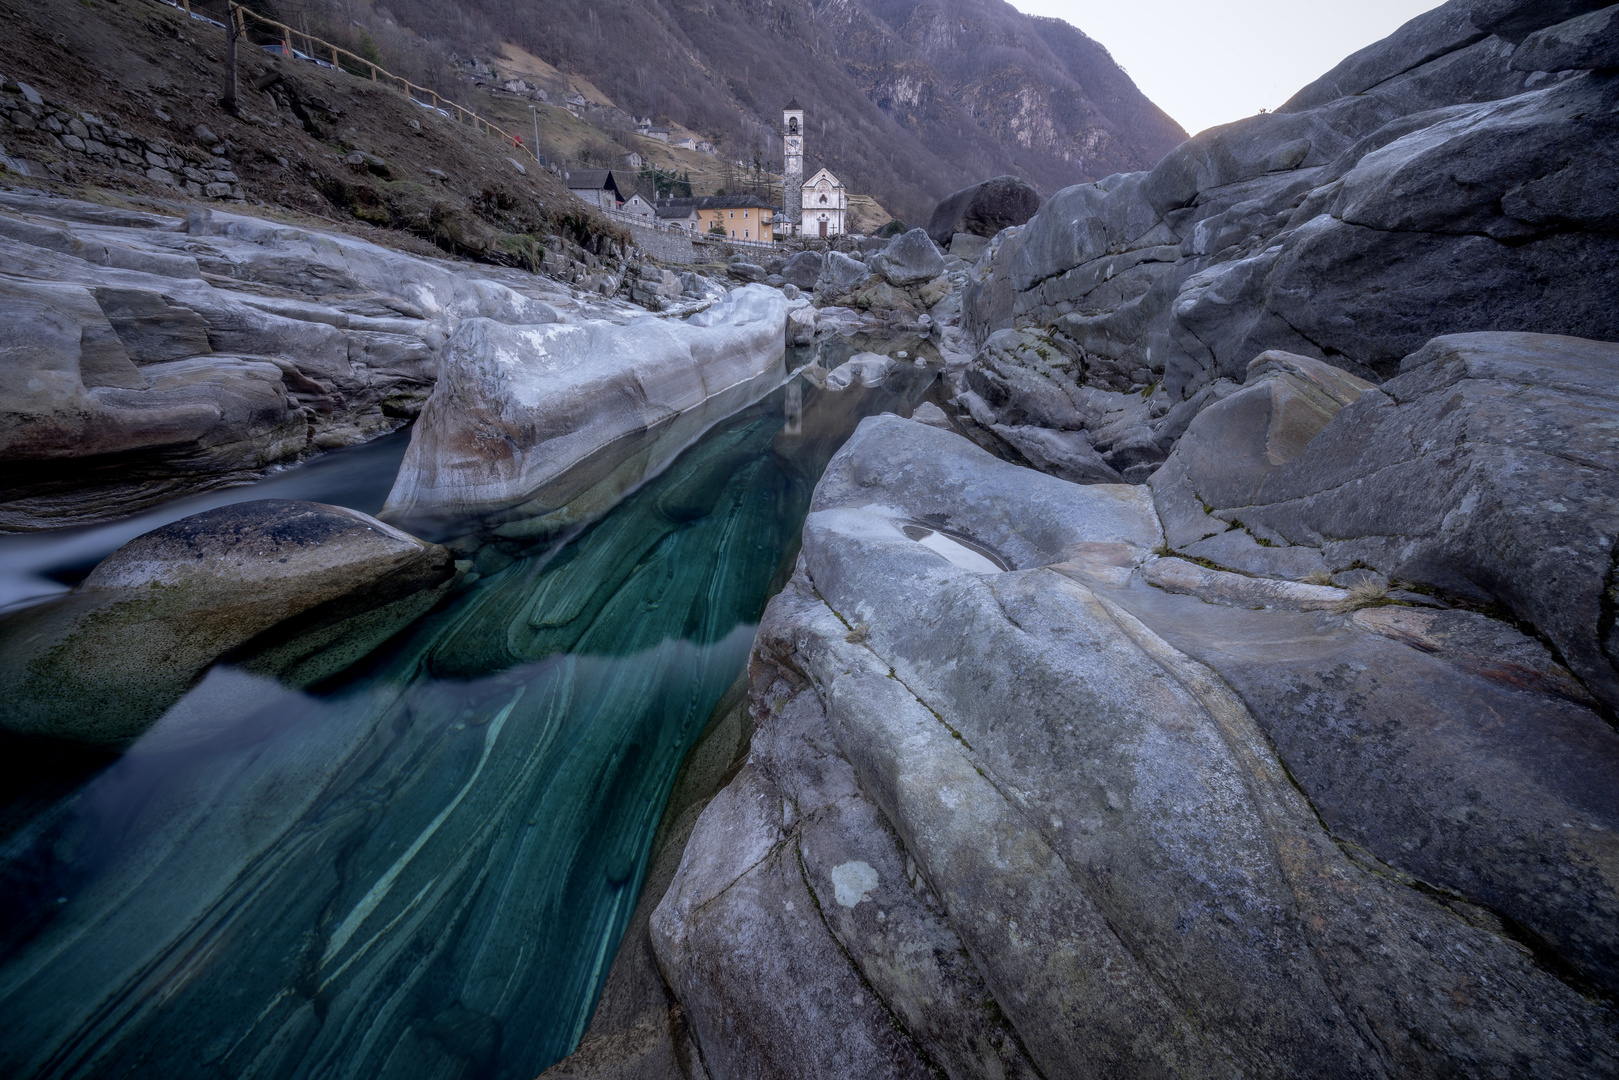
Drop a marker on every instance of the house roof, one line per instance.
(592, 180)
(684, 210)
(722, 203)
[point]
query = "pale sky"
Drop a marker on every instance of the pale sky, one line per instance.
(1208, 62)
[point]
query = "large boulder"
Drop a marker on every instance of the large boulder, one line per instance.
(983, 209)
(842, 273)
(144, 356)
(1484, 471)
(1436, 182)
(909, 259)
(290, 588)
(1003, 799)
(803, 270)
(1590, 41)
(538, 427)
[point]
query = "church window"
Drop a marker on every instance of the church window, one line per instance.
(823, 198)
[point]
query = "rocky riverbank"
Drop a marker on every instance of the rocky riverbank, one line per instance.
(1294, 757)
(1217, 678)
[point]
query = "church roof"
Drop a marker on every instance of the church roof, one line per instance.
(793, 106)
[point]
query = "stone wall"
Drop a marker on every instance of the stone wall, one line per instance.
(664, 246)
(101, 139)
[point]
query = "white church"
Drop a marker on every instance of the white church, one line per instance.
(818, 206)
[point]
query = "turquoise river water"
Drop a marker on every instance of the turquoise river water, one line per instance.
(422, 867)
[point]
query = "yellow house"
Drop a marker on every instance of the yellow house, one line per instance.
(735, 217)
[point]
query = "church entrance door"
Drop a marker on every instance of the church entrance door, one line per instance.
(823, 228)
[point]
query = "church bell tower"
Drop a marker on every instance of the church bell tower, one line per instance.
(792, 183)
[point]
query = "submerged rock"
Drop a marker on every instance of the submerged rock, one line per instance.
(547, 426)
(866, 368)
(277, 579)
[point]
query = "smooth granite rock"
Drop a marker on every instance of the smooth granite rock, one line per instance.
(101, 664)
(147, 357)
(979, 723)
(801, 322)
(1440, 181)
(983, 210)
(1484, 470)
(909, 259)
(540, 427)
(842, 273)
(1588, 41)
(866, 368)
(746, 271)
(804, 269)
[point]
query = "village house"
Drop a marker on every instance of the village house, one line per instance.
(595, 187)
(734, 217)
(681, 213)
(637, 207)
(657, 131)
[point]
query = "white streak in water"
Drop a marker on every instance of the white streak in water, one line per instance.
(378, 892)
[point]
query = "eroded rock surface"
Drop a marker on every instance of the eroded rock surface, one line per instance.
(1485, 470)
(146, 357)
(312, 586)
(547, 426)
(1456, 177)
(1003, 820)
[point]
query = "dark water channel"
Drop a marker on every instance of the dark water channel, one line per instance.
(423, 867)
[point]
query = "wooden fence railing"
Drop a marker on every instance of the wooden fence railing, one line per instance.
(359, 66)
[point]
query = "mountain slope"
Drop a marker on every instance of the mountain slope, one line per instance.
(905, 99)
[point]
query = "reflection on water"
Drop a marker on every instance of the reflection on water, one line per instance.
(423, 868)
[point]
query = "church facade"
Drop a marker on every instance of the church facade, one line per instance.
(818, 206)
(826, 205)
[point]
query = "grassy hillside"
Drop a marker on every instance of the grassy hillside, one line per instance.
(309, 143)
